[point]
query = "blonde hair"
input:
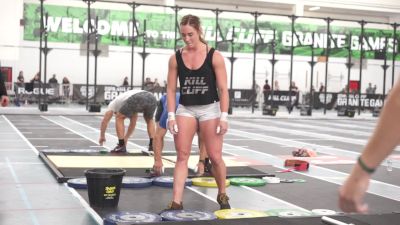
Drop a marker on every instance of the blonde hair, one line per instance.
(193, 21)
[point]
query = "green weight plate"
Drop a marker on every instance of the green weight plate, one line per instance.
(247, 181)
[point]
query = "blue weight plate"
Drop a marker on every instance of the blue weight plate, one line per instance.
(187, 215)
(168, 181)
(122, 218)
(136, 182)
(78, 183)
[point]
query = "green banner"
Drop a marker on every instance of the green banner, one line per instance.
(69, 25)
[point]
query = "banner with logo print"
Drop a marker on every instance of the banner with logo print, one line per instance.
(368, 101)
(30, 92)
(68, 24)
(319, 100)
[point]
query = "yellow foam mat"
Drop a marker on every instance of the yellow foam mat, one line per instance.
(105, 161)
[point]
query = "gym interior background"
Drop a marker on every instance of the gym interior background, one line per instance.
(310, 43)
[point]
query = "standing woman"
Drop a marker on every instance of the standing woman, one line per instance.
(203, 105)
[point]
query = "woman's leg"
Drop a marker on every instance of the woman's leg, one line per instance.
(183, 143)
(213, 144)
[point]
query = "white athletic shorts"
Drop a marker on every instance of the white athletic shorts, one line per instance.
(200, 112)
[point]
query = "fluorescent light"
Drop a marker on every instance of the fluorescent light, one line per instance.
(314, 8)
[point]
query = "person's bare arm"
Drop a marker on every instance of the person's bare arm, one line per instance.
(382, 142)
(171, 93)
(220, 73)
(103, 127)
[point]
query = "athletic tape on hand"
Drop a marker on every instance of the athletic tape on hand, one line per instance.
(218, 129)
(176, 128)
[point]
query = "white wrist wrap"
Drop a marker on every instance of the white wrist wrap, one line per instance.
(171, 116)
(224, 116)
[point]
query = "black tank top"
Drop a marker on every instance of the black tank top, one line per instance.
(198, 87)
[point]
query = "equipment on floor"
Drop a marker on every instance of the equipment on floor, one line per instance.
(168, 181)
(304, 152)
(323, 212)
(288, 212)
(187, 215)
(272, 180)
(298, 165)
(305, 111)
(346, 112)
(328, 220)
(247, 181)
(136, 182)
(207, 182)
(131, 218)
(95, 107)
(77, 183)
(239, 213)
(270, 111)
(104, 186)
(376, 111)
(286, 181)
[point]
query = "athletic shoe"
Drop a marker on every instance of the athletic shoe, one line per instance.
(173, 206)
(207, 166)
(223, 201)
(119, 149)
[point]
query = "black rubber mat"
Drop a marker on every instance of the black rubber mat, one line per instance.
(153, 199)
(374, 219)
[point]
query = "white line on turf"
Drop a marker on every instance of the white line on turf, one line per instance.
(22, 136)
(89, 209)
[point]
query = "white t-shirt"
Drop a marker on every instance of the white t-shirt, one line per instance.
(116, 104)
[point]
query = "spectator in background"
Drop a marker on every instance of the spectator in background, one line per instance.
(53, 80)
(36, 79)
(156, 84)
(276, 85)
(164, 90)
(374, 89)
(266, 91)
(369, 89)
(148, 85)
(19, 84)
(4, 100)
(33, 83)
(20, 78)
(321, 87)
(125, 82)
(294, 90)
(157, 88)
(66, 87)
(344, 90)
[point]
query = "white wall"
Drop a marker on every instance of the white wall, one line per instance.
(11, 13)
